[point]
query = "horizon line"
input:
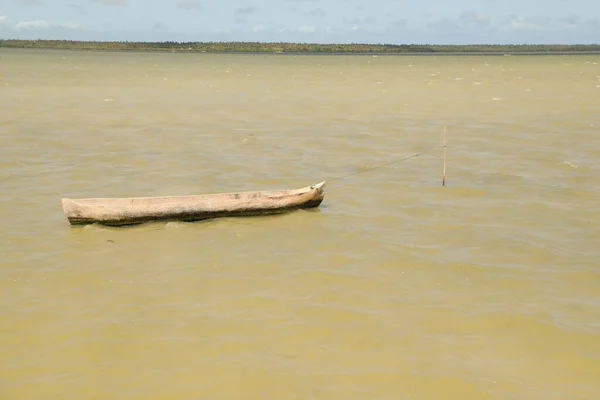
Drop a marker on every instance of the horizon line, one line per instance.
(303, 43)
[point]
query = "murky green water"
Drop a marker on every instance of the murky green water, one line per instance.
(395, 288)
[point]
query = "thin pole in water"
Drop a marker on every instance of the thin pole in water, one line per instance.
(444, 170)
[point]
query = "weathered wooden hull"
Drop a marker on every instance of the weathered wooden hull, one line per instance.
(136, 210)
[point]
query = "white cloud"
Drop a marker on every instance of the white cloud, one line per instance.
(112, 2)
(571, 19)
(31, 2)
(307, 29)
(41, 24)
(316, 13)
(300, 29)
(36, 24)
(444, 25)
(520, 23)
(245, 11)
(474, 18)
(269, 31)
(360, 21)
(258, 28)
(222, 30)
(189, 4)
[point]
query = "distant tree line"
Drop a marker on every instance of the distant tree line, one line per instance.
(283, 47)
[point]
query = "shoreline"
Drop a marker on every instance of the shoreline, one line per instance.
(312, 49)
(323, 54)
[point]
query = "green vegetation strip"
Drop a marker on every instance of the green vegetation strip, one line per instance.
(309, 48)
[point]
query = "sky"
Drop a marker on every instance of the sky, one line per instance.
(306, 21)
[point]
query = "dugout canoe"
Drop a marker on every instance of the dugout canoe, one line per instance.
(136, 210)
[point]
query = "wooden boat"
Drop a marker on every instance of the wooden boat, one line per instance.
(135, 210)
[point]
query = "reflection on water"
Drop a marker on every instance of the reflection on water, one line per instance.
(394, 288)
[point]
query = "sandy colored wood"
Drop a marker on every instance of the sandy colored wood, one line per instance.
(135, 210)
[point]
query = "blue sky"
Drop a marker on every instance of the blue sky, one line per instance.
(321, 21)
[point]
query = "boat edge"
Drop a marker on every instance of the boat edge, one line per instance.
(70, 204)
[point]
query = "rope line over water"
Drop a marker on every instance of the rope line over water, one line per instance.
(382, 165)
(339, 178)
